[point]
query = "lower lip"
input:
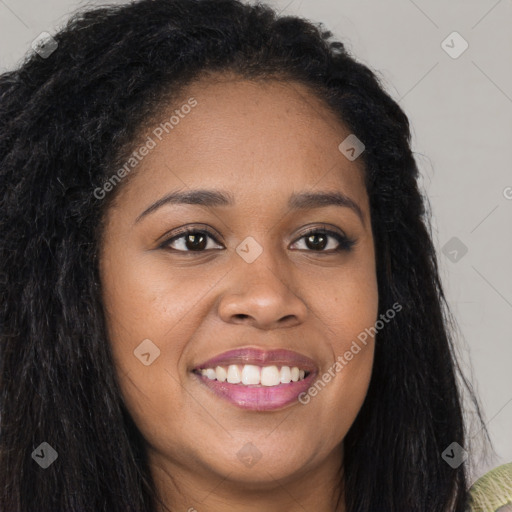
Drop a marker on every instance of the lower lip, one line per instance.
(259, 398)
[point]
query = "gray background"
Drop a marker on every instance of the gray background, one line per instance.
(461, 115)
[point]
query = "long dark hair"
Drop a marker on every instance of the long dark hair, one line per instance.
(67, 117)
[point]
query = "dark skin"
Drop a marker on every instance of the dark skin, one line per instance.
(259, 142)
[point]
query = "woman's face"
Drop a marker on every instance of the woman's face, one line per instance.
(251, 291)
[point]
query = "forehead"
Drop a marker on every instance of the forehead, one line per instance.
(264, 138)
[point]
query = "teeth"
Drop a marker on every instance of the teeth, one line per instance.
(286, 375)
(250, 374)
(210, 373)
(221, 373)
(270, 376)
(234, 375)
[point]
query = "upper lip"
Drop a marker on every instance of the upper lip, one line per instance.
(260, 357)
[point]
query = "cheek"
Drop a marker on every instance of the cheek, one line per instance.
(143, 300)
(346, 301)
(338, 393)
(146, 313)
(151, 310)
(347, 306)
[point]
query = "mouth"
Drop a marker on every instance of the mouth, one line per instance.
(258, 380)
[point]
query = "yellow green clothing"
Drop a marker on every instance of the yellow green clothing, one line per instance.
(493, 491)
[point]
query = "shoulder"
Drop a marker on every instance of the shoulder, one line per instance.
(493, 491)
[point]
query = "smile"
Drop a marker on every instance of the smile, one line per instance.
(257, 380)
(251, 375)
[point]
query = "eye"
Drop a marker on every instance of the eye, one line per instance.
(190, 240)
(317, 240)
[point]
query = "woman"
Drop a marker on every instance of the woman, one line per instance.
(219, 289)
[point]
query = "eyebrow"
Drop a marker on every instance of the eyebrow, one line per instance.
(213, 198)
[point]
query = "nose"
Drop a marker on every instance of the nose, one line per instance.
(261, 296)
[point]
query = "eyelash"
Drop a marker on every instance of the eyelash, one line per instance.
(345, 243)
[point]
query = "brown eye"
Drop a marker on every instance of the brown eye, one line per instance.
(318, 239)
(190, 241)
